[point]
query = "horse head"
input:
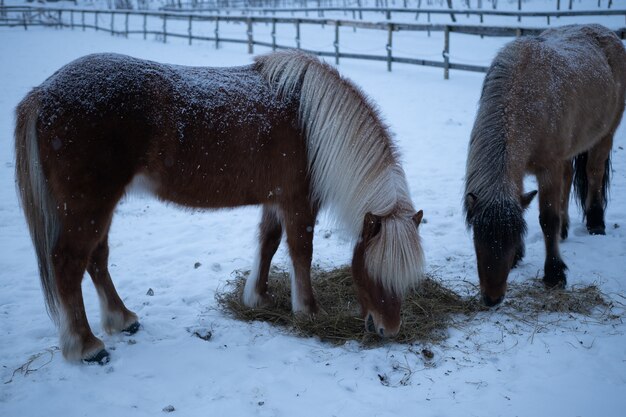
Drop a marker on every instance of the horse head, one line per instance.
(499, 230)
(387, 262)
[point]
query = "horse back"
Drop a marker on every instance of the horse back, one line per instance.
(567, 86)
(197, 134)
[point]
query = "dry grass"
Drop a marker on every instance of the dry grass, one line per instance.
(427, 313)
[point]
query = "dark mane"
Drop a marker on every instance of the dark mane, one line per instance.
(486, 175)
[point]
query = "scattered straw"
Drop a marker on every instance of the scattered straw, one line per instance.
(427, 313)
(29, 367)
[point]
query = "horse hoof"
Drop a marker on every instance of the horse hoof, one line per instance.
(132, 329)
(597, 230)
(555, 283)
(490, 302)
(100, 358)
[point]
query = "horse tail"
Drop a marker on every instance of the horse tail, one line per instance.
(36, 200)
(352, 160)
(581, 182)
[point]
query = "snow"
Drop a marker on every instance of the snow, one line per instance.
(498, 366)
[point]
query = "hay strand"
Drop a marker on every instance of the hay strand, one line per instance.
(427, 313)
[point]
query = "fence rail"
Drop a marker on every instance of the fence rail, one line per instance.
(389, 11)
(80, 18)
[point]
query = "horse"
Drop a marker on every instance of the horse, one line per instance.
(286, 132)
(549, 107)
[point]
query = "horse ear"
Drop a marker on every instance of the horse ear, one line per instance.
(470, 200)
(417, 218)
(371, 225)
(527, 198)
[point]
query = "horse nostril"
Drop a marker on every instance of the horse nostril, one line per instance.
(369, 324)
(489, 302)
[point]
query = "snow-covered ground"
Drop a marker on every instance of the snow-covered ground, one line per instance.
(495, 367)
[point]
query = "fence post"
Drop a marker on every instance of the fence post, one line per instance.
(298, 33)
(389, 40)
(570, 4)
(336, 42)
(273, 34)
(96, 20)
(60, 14)
(72, 19)
(126, 25)
(446, 53)
(519, 9)
(189, 30)
(217, 32)
(250, 39)
(452, 16)
(25, 20)
(112, 24)
(145, 26)
(164, 28)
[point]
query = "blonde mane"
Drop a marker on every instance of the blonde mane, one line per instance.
(352, 161)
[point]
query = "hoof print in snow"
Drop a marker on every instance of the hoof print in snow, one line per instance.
(615, 226)
(197, 265)
(327, 234)
(150, 292)
(216, 267)
(203, 334)
(261, 403)
(384, 379)
(169, 409)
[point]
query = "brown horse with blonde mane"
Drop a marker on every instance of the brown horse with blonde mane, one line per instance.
(550, 106)
(286, 132)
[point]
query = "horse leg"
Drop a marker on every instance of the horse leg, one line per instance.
(299, 223)
(70, 258)
(270, 232)
(550, 197)
(568, 175)
(597, 169)
(114, 315)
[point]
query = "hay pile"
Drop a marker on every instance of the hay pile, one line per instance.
(427, 313)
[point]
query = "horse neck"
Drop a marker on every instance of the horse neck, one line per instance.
(499, 146)
(352, 160)
(491, 170)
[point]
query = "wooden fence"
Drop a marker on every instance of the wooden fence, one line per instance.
(119, 24)
(196, 5)
(357, 12)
